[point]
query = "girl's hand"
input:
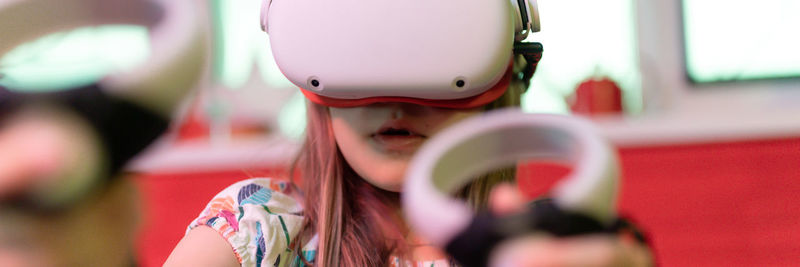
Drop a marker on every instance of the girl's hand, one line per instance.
(49, 153)
(544, 250)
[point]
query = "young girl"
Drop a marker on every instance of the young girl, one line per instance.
(347, 211)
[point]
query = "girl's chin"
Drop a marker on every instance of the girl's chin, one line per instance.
(389, 178)
(385, 171)
(393, 183)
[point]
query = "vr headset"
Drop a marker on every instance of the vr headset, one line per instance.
(448, 53)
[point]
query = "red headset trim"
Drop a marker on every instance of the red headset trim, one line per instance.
(470, 102)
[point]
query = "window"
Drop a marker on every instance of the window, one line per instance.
(733, 40)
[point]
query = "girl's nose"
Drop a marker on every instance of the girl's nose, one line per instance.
(400, 110)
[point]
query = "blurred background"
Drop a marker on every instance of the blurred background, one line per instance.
(701, 98)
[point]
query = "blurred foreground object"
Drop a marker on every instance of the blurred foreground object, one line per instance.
(95, 232)
(126, 111)
(178, 35)
(59, 205)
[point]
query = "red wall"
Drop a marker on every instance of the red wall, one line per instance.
(718, 204)
(732, 204)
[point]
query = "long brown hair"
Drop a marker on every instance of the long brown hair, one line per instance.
(350, 215)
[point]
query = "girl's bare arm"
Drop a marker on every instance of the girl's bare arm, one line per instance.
(202, 246)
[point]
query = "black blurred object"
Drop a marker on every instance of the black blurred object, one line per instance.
(125, 128)
(473, 246)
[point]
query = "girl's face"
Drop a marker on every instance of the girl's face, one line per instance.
(378, 140)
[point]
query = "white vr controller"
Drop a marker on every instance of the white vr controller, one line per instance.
(128, 109)
(499, 139)
(177, 33)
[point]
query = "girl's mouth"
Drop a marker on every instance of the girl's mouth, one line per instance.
(397, 139)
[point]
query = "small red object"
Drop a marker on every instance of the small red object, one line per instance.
(597, 96)
(194, 125)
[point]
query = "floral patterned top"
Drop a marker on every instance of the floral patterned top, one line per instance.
(259, 218)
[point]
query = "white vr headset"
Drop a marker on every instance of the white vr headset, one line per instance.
(449, 53)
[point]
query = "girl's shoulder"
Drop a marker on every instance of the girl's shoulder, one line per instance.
(273, 193)
(259, 217)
